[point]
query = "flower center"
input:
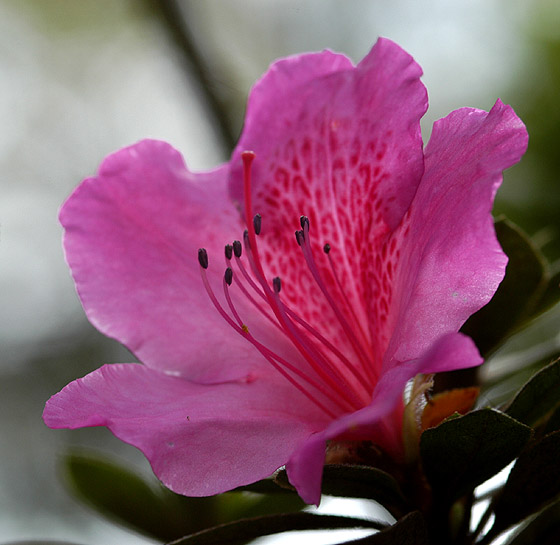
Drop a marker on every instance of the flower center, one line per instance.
(334, 382)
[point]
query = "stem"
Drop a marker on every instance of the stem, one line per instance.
(174, 23)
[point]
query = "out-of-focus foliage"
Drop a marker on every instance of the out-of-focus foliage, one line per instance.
(533, 199)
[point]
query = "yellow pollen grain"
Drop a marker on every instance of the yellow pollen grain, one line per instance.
(245, 328)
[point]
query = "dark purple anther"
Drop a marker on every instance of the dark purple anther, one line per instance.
(203, 258)
(257, 220)
(228, 250)
(277, 284)
(237, 248)
(228, 276)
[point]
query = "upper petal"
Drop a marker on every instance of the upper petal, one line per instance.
(131, 238)
(448, 260)
(199, 439)
(342, 145)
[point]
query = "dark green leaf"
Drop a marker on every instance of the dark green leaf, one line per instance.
(248, 506)
(539, 397)
(266, 486)
(123, 496)
(533, 482)
(356, 481)
(553, 423)
(242, 531)
(462, 453)
(544, 529)
(551, 294)
(518, 296)
(410, 530)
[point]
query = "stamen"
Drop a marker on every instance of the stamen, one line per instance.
(268, 354)
(318, 362)
(357, 323)
(280, 325)
(308, 255)
(307, 350)
(255, 303)
(362, 381)
(277, 283)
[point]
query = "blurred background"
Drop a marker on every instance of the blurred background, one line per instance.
(80, 79)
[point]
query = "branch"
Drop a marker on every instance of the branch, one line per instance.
(174, 23)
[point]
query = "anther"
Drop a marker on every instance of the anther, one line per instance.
(237, 248)
(228, 276)
(246, 238)
(228, 250)
(203, 258)
(327, 248)
(277, 284)
(257, 224)
(303, 221)
(300, 237)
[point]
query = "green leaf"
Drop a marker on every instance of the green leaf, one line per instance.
(539, 397)
(544, 529)
(410, 530)
(241, 531)
(519, 296)
(147, 507)
(266, 486)
(126, 498)
(462, 453)
(364, 482)
(553, 423)
(551, 293)
(533, 482)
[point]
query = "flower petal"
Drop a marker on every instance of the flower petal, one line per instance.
(131, 239)
(450, 261)
(342, 145)
(199, 439)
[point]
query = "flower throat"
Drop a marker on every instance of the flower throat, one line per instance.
(338, 383)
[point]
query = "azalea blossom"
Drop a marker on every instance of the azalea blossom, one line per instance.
(259, 347)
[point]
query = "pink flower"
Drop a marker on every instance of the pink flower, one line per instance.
(240, 377)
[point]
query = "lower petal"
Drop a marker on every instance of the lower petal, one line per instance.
(305, 468)
(200, 439)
